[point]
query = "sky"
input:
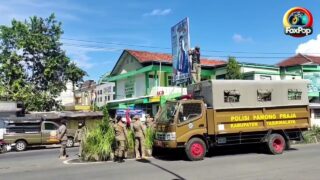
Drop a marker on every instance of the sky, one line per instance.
(97, 31)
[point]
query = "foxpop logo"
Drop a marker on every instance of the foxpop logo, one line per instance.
(298, 22)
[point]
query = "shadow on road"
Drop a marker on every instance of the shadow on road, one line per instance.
(179, 154)
(162, 168)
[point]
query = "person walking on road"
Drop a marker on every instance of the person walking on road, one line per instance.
(121, 138)
(139, 136)
(80, 136)
(62, 136)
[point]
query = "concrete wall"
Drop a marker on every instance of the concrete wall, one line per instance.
(266, 76)
(67, 97)
(250, 69)
(127, 64)
(288, 77)
(139, 87)
(314, 120)
(120, 94)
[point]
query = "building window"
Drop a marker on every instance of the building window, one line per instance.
(105, 98)
(222, 76)
(264, 95)
(316, 113)
(231, 96)
(294, 94)
(169, 81)
(264, 77)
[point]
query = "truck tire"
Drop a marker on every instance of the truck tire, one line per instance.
(276, 144)
(70, 142)
(195, 149)
(21, 145)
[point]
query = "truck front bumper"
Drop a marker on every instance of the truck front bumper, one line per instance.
(165, 144)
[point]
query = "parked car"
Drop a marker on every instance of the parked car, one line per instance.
(21, 132)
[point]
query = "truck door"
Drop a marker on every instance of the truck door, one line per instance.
(191, 120)
(49, 133)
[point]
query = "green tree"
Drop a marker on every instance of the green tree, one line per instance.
(12, 72)
(233, 69)
(33, 66)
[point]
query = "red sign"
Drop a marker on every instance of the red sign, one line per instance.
(160, 93)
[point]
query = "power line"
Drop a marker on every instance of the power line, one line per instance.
(118, 44)
(166, 48)
(113, 49)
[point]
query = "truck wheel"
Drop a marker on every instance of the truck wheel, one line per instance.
(276, 144)
(21, 145)
(70, 142)
(196, 149)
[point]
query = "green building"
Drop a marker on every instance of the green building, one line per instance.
(144, 79)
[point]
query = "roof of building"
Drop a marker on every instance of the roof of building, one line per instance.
(145, 56)
(299, 59)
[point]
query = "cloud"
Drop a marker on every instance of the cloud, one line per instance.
(22, 10)
(158, 12)
(238, 38)
(79, 52)
(311, 47)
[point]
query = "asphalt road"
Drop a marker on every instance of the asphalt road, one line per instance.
(300, 163)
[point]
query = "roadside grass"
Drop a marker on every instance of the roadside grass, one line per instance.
(149, 138)
(98, 143)
(312, 136)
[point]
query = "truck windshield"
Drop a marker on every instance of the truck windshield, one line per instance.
(168, 112)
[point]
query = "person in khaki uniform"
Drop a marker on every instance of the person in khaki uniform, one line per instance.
(62, 136)
(121, 138)
(139, 136)
(196, 65)
(150, 122)
(80, 135)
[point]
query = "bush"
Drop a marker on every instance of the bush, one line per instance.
(149, 138)
(99, 142)
(312, 136)
(130, 140)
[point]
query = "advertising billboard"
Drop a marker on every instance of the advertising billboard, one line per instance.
(180, 40)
